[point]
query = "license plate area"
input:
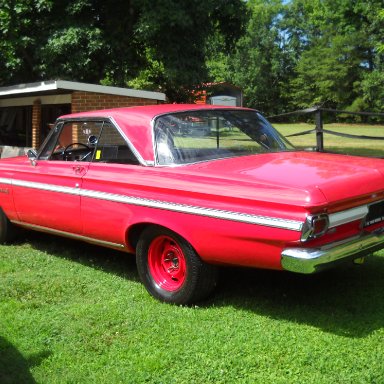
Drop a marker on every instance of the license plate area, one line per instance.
(375, 214)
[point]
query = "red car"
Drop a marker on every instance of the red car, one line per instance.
(142, 181)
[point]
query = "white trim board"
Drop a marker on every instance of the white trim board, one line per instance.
(53, 85)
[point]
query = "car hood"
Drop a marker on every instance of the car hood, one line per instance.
(300, 178)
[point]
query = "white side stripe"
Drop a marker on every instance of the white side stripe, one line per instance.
(46, 187)
(293, 225)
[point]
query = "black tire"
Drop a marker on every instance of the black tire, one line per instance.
(7, 230)
(170, 268)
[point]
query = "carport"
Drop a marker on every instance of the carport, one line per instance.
(27, 111)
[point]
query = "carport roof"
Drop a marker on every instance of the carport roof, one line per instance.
(61, 86)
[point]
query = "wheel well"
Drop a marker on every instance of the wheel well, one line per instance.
(134, 233)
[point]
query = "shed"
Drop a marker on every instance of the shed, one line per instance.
(221, 93)
(27, 111)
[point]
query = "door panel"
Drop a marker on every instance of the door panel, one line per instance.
(48, 194)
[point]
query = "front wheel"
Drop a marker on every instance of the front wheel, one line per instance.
(170, 268)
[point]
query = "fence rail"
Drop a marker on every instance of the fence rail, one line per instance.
(319, 125)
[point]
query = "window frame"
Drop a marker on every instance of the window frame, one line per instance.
(60, 123)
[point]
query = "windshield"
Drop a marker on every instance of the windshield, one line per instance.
(194, 136)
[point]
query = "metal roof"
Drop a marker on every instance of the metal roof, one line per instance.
(63, 85)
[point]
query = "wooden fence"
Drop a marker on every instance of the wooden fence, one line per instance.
(318, 116)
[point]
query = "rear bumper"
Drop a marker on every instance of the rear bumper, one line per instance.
(311, 260)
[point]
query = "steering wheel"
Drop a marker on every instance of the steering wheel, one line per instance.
(67, 150)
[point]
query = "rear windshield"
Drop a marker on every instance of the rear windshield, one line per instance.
(194, 136)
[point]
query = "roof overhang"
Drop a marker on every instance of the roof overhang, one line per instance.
(60, 86)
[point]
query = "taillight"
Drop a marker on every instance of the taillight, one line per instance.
(314, 226)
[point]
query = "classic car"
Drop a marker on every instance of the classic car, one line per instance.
(142, 181)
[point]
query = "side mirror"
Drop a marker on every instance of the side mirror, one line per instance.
(32, 156)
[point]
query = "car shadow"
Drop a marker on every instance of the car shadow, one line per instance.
(14, 367)
(347, 301)
(111, 261)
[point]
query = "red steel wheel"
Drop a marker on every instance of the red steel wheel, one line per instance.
(170, 268)
(166, 263)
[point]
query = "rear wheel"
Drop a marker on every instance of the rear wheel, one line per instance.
(170, 268)
(7, 229)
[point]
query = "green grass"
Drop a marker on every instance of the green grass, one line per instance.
(338, 144)
(75, 313)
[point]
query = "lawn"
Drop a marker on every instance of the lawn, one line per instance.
(76, 313)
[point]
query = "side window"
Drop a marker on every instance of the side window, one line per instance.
(72, 141)
(112, 148)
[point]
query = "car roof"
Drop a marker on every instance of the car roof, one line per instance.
(147, 111)
(135, 122)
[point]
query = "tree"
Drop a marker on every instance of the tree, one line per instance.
(372, 84)
(113, 41)
(177, 33)
(21, 24)
(336, 50)
(326, 74)
(260, 64)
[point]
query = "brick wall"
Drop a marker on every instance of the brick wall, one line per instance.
(88, 101)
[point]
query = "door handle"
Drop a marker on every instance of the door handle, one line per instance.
(78, 169)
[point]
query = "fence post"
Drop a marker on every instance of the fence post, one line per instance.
(319, 131)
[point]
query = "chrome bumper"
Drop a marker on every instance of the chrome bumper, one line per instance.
(311, 260)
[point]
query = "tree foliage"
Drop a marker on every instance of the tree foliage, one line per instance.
(260, 65)
(158, 43)
(336, 53)
(283, 54)
(301, 53)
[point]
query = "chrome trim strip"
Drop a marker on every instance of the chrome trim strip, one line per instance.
(311, 260)
(69, 234)
(343, 217)
(335, 219)
(201, 211)
(293, 225)
(154, 141)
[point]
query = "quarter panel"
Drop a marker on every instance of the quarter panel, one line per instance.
(215, 239)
